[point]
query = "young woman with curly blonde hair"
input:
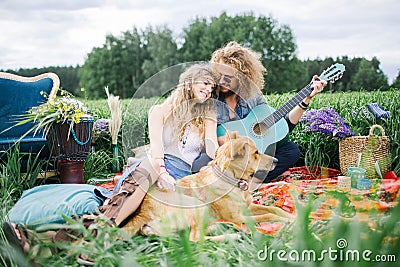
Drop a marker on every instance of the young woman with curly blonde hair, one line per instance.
(185, 124)
(180, 128)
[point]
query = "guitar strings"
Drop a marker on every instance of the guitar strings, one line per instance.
(279, 113)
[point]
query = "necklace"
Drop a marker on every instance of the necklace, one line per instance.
(186, 135)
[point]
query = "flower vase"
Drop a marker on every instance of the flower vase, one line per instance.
(115, 163)
(70, 147)
(71, 172)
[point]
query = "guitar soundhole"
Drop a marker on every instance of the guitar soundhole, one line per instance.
(260, 129)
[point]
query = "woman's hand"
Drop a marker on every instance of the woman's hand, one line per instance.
(317, 85)
(166, 181)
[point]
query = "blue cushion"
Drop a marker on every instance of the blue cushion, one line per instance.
(17, 97)
(46, 203)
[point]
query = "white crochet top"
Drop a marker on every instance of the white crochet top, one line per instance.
(189, 148)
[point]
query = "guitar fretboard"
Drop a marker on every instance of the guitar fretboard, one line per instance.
(288, 106)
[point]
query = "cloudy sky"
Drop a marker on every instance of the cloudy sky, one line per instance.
(41, 33)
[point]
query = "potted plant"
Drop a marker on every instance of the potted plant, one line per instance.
(67, 125)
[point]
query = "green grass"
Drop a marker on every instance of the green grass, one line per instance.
(316, 148)
(380, 235)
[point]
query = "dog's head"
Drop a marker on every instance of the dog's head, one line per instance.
(240, 156)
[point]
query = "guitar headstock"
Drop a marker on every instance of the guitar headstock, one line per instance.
(333, 73)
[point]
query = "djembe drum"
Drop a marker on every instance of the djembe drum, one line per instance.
(70, 148)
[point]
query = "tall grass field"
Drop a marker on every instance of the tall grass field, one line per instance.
(342, 239)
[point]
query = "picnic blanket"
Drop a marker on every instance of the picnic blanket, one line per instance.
(305, 182)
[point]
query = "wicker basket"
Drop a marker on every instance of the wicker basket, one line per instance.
(373, 149)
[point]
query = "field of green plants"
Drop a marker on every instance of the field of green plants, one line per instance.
(334, 241)
(317, 149)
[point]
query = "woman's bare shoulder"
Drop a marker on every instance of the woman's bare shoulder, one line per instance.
(156, 108)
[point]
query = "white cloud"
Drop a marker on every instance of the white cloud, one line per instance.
(44, 32)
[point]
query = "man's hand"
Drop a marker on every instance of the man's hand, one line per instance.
(318, 85)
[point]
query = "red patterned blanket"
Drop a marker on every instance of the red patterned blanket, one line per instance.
(303, 182)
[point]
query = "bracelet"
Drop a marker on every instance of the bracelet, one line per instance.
(163, 166)
(304, 104)
(303, 108)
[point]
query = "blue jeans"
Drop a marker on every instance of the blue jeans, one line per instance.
(176, 167)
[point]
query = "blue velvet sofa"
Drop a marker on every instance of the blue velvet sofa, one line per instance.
(17, 95)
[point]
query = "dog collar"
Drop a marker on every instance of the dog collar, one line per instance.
(241, 184)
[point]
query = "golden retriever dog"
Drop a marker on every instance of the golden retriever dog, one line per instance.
(218, 192)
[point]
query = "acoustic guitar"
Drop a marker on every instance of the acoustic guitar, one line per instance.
(265, 125)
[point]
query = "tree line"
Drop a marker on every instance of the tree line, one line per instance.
(124, 62)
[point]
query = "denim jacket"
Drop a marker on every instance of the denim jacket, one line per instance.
(242, 109)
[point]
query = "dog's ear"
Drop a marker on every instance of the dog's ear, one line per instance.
(224, 156)
(235, 135)
(240, 151)
(230, 136)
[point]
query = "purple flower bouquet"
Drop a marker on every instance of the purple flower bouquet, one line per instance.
(326, 120)
(101, 126)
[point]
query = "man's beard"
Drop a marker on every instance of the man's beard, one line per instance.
(230, 92)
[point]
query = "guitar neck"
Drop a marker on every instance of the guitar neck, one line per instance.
(288, 106)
